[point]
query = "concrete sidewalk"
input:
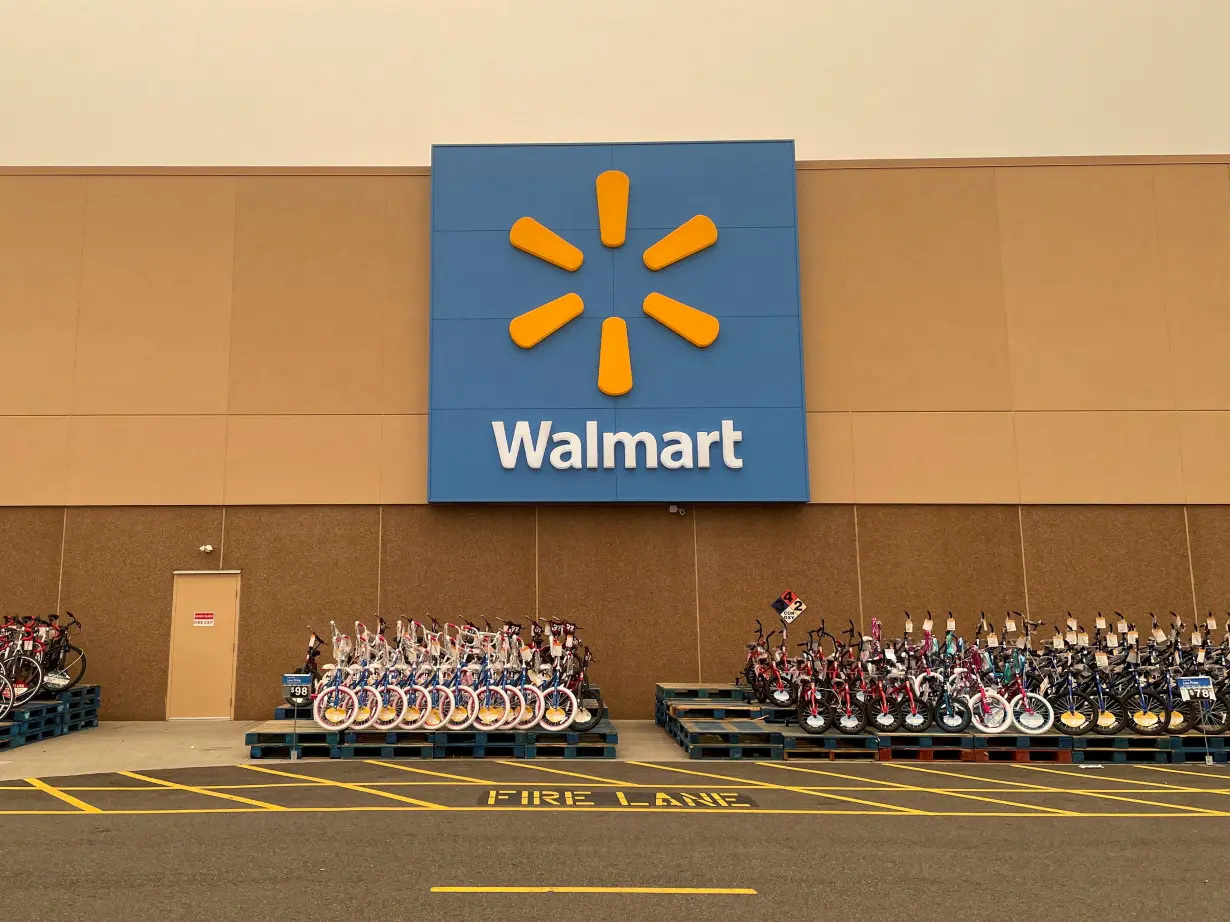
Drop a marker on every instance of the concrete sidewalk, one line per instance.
(136, 745)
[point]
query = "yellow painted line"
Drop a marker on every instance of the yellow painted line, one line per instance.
(60, 795)
(362, 789)
(689, 891)
(1216, 776)
(948, 774)
(121, 787)
(779, 787)
(917, 789)
(1130, 800)
(1157, 784)
(560, 771)
(173, 785)
(423, 771)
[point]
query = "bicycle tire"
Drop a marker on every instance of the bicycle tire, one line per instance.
(442, 704)
(812, 712)
(418, 705)
(535, 705)
(560, 711)
(1111, 714)
(391, 709)
(1147, 713)
(72, 670)
(26, 676)
(465, 709)
(590, 710)
(492, 709)
(916, 714)
(1031, 713)
(952, 715)
(850, 717)
(1075, 713)
(6, 696)
(883, 715)
(335, 708)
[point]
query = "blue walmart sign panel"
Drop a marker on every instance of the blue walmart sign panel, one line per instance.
(583, 407)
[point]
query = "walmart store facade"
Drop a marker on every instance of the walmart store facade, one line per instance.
(646, 386)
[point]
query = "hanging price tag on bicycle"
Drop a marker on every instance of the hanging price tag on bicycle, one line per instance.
(1195, 687)
(788, 606)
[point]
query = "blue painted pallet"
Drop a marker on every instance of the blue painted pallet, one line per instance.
(716, 710)
(46, 733)
(1196, 756)
(1195, 742)
(722, 691)
(478, 750)
(604, 732)
(926, 741)
(275, 751)
(734, 752)
(795, 738)
(383, 752)
(76, 693)
(474, 737)
(1010, 741)
(286, 712)
(280, 733)
(579, 751)
(1123, 741)
(1121, 755)
(82, 723)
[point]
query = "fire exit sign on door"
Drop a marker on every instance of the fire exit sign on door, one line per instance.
(203, 619)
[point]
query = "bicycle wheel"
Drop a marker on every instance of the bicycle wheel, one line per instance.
(782, 693)
(991, 713)
(1183, 717)
(1147, 713)
(952, 715)
(883, 715)
(516, 706)
(335, 708)
(1032, 713)
(849, 716)
(71, 670)
(27, 678)
(441, 704)
(6, 696)
(465, 709)
(369, 707)
(916, 715)
(492, 708)
(1075, 714)
(535, 704)
(561, 709)
(391, 709)
(590, 710)
(1111, 714)
(418, 706)
(1214, 715)
(812, 711)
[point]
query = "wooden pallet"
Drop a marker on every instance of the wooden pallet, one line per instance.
(794, 738)
(566, 751)
(715, 710)
(829, 755)
(700, 731)
(927, 754)
(604, 733)
(720, 751)
(1060, 756)
(1121, 756)
(721, 691)
(280, 733)
(1120, 741)
(279, 751)
(381, 752)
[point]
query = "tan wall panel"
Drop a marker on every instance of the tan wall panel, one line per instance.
(41, 221)
(403, 459)
(1209, 532)
(1082, 284)
(934, 458)
(830, 457)
(917, 287)
(1087, 559)
(34, 450)
(747, 556)
(30, 542)
(963, 559)
(407, 317)
(1193, 217)
(300, 567)
(118, 565)
(311, 295)
(1205, 440)
(154, 331)
(1099, 457)
(274, 460)
(621, 573)
(456, 562)
(146, 460)
(826, 352)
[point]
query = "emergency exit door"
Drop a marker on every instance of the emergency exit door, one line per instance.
(204, 638)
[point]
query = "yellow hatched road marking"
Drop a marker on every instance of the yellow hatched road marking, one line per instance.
(362, 789)
(1130, 800)
(173, 785)
(947, 774)
(779, 787)
(917, 789)
(560, 771)
(423, 771)
(689, 891)
(1216, 776)
(60, 795)
(1157, 784)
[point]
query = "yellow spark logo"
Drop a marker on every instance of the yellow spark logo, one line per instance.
(614, 357)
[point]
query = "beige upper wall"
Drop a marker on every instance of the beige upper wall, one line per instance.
(329, 82)
(1037, 334)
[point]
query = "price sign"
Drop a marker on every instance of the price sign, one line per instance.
(1082, 639)
(1057, 642)
(1197, 639)
(928, 625)
(1133, 637)
(992, 640)
(1071, 624)
(1099, 623)
(1211, 624)
(296, 685)
(1195, 687)
(952, 624)
(909, 626)
(1070, 637)
(1159, 635)
(1112, 641)
(1009, 625)
(1101, 659)
(1121, 627)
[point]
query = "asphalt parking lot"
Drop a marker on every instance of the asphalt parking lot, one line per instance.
(470, 839)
